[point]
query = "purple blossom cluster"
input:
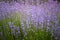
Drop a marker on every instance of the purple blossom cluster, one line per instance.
(14, 29)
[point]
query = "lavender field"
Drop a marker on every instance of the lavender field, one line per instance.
(29, 20)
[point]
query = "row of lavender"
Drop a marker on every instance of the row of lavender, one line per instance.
(31, 2)
(43, 15)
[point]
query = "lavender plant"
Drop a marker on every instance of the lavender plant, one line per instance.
(29, 22)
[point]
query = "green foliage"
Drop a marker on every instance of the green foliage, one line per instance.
(38, 34)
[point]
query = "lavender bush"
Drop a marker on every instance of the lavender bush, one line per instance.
(24, 21)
